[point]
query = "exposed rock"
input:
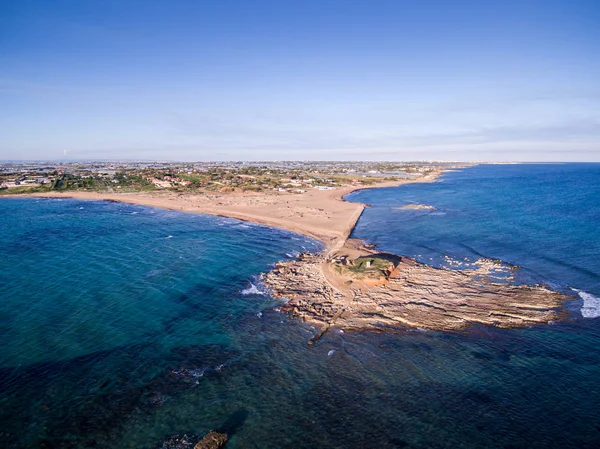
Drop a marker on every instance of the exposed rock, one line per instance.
(412, 294)
(212, 440)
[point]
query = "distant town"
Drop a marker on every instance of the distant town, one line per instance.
(292, 177)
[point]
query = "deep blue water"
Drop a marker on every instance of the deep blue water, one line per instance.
(122, 325)
(543, 218)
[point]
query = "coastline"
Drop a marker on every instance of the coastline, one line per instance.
(325, 290)
(275, 344)
(320, 214)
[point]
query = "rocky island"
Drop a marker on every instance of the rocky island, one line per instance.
(358, 288)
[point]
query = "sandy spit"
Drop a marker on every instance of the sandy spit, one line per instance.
(320, 214)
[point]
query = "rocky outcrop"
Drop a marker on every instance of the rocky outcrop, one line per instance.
(310, 295)
(414, 295)
(212, 440)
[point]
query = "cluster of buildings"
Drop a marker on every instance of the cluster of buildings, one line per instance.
(290, 176)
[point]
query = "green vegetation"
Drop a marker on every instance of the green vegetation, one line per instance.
(373, 267)
(371, 263)
(294, 177)
(24, 189)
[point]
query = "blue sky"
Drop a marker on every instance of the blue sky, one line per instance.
(325, 80)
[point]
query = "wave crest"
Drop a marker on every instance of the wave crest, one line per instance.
(252, 290)
(591, 304)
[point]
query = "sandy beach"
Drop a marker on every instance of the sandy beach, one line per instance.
(320, 214)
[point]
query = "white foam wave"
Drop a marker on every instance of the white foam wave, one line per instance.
(196, 372)
(330, 353)
(252, 290)
(591, 304)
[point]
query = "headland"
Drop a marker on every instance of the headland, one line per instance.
(352, 286)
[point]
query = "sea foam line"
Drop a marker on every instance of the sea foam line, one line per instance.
(252, 290)
(591, 304)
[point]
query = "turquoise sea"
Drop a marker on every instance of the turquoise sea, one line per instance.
(123, 325)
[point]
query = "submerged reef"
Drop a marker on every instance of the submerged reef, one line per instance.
(418, 207)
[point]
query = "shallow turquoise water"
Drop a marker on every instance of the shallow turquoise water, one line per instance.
(122, 325)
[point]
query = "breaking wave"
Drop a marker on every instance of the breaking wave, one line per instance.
(252, 290)
(591, 304)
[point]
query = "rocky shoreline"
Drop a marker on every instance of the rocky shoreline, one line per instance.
(409, 294)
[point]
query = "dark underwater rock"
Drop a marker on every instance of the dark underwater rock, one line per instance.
(212, 440)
